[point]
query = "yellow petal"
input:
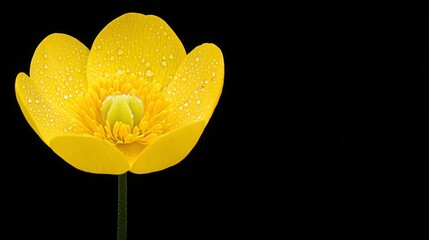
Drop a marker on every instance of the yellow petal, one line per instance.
(197, 85)
(135, 43)
(58, 69)
(57, 76)
(46, 119)
(169, 149)
(90, 154)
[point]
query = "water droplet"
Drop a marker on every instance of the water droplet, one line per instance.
(186, 103)
(147, 64)
(66, 96)
(198, 101)
(45, 55)
(112, 58)
(197, 58)
(70, 78)
(149, 72)
(29, 100)
(183, 78)
(119, 71)
(120, 51)
(171, 56)
(45, 66)
(202, 88)
(206, 81)
(180, 108)
(164, 63)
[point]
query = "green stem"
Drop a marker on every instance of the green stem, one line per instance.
(121, 233)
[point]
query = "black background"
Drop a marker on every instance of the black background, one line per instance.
(321, 129)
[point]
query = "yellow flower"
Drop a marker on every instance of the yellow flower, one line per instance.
(135, 101)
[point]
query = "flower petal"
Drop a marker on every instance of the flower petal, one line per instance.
(90, 154)
(197, 85)
(57, 76)
(46, 119)
(58, 69)
(169, 149)
(135, 43)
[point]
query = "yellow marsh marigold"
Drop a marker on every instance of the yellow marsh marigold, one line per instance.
(136, 101)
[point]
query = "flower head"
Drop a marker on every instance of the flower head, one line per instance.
(135, 101)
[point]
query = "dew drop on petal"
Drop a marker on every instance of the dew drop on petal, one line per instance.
(120, 51)
(149, 72)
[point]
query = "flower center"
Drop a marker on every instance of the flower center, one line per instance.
(125, 109)
(122, 108)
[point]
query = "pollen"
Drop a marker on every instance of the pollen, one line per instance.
(124, 110)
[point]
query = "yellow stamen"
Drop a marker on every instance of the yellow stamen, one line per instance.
(124, 110)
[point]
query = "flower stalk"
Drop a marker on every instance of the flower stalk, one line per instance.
(121, 233)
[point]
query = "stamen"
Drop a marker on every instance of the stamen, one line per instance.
(125, 110)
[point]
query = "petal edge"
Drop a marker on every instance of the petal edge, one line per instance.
(90, 154)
